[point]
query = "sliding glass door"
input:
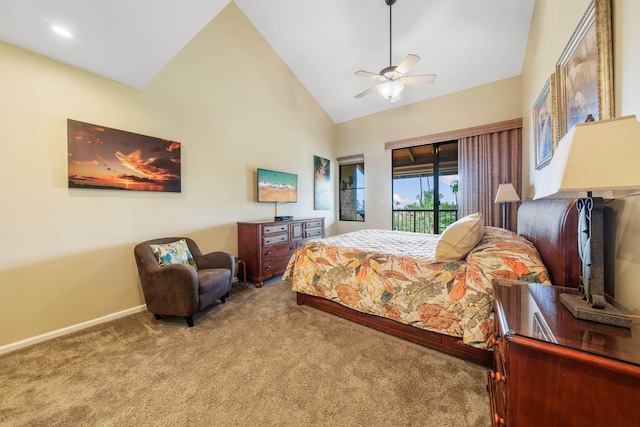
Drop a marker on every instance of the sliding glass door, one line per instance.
(425, 187)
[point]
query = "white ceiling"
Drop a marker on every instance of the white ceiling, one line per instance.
(466, 43)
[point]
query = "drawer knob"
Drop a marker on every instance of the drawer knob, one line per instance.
(268, 267)
(497, 376)
(268, 254)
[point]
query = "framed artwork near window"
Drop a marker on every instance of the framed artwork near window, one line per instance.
(585, 70)
(543, 127)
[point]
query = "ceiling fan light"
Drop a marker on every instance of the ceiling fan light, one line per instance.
(61, 31)
(390, 89)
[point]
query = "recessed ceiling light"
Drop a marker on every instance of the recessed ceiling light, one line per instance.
(61, 31)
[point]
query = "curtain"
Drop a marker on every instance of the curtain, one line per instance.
(484, 162)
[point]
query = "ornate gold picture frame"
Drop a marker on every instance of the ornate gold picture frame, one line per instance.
(584, 71)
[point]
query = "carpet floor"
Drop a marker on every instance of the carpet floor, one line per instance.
(257, 360)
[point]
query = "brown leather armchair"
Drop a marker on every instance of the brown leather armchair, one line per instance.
(181, 289)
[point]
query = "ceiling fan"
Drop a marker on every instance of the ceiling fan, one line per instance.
(392, 78)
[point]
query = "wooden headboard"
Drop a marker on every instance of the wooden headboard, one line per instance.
(552, 226)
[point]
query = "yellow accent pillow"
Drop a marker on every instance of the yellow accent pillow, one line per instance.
(459, 238)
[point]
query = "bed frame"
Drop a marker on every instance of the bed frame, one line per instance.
(552, 227)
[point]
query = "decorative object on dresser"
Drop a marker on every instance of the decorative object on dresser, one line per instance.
(598, 158)
(550, 369)
(179, 280)
(506, 194)
(266, 246)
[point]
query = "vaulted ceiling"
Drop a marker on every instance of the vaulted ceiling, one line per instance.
(466, 43)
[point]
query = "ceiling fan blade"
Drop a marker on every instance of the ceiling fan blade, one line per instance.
(416, 80)
(366, 92)
(371, 75)
(408, 62)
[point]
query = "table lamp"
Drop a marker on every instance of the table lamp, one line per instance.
(506, 194)
(594, 160)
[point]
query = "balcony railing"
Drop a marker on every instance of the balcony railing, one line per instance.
(423, 220)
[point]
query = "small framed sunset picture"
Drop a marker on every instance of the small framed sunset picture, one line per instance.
(110, 159)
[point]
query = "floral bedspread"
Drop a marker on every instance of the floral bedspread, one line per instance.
(453, 298)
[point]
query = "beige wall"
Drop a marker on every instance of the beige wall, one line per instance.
(552, 26)
(67, 255)
(481, 105)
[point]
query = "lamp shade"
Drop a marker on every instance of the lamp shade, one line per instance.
(390, 89)
(602, 157)
(506, 193)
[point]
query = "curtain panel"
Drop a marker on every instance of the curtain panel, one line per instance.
(484, 162)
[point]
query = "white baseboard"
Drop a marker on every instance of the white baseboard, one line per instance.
(69, 329)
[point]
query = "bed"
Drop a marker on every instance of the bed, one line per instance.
(379, 279)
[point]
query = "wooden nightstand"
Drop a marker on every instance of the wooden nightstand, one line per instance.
(551, 369)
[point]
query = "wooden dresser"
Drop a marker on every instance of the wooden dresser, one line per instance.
(551, 369)
(266, 246)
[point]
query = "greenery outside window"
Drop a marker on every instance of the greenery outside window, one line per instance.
(351, 182)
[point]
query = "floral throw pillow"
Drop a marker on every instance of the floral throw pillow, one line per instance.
(173, 253)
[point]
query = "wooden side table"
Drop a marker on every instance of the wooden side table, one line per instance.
(240, 262)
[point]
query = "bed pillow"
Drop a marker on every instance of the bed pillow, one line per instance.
(459, 238)
(173, 253)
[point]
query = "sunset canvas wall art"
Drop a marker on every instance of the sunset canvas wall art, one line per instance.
(104, 158)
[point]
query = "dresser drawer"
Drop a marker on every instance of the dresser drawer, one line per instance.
(498, 395)
(499, 344)
(277, 238)
(274, 266)
(272, 229)
(496, 400)
(313, 224)
(313, 232)
(499, 360)
(278, 251)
